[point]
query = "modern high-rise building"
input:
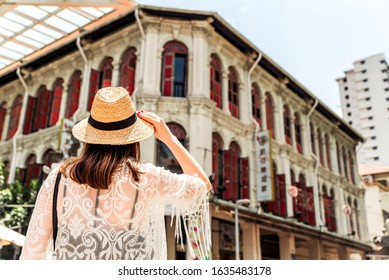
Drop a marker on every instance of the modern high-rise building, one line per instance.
(364, 93)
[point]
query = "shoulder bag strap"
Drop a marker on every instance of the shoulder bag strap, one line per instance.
(54, 211)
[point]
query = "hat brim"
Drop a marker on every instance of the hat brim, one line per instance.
(137, 132)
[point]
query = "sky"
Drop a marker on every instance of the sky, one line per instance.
(313, 40)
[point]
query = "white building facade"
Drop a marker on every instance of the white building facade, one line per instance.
(364, 92)
(206, 81)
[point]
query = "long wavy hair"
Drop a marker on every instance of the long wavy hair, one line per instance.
(97, 163)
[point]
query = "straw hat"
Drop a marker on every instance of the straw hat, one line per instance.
(113, 120)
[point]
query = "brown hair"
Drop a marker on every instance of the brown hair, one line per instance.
(97, 163)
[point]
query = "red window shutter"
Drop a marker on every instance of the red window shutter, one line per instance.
(56, 105)
(228, 194)
(29, 173)
(215, 163)
(131, 80)
(282, 195)
(73, 94)
(168, 74)
(21, 176)
(45, 108)
(3, 113)
(212, 84)
(218, 94)
(93, 87)
(298, 201)
(29, 120)
(310, 207)
(327, 214)
(332, 220)
(244, 177)
(15, 116)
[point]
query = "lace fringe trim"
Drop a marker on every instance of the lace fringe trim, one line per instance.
(199, 220)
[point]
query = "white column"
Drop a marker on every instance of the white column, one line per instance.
(225, 93)
(200, 84)
(64, 100)
(333, 155)
(263, 113)
(244, 109)
(6, 122)
(288, 182)
(151, 84)
(115, 74)
(341, 218)
(278, 123)
(292, 132)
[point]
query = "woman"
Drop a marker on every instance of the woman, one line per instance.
(105, 204)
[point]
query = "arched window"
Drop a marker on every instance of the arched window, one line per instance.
(313, 142)
(328, 152)
(233, 92)
(231, 171)
(297, 131)
(287, 125)
(100, 78)
(33, 170)
(217, 165)
(278, 205)
(345, 165)
(174, 69)
(356, 215)
(216, 80)
(55, 101)
(352, 231)
(303, 205)
(320, 143)
(256, 103)
(292, 178)
(42, 112)
(270, 115)
(351, 168)
(105, 75)
(3, 114)
(127, 69)
(332, 222)
(329, 209)
(15, 115)
(165, 156)
(339, 158)
(74, 89)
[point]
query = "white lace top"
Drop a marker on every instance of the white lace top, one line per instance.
(99, 224)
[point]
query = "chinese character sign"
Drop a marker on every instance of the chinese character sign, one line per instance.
(265, 191)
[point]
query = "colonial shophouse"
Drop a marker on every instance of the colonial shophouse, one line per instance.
(214, 88)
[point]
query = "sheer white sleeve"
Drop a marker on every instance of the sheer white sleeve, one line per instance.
(39, 233)
(189, 200)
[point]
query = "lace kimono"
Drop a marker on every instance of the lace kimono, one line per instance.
(107, 224)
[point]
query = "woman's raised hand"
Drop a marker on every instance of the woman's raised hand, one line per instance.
(161, 130)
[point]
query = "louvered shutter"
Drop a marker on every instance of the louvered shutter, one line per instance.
(244, 177)
(93, 87)
(168, 74)
(282, 195)
(227, 175)
(30, 120)
(3, 113)
(55, 105)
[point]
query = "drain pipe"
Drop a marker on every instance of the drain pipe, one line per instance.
(316, 164)
(143, 47)
(11, 177)
(84, 87)
(257, 126)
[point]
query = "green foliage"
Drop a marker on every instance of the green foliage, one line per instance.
(13, 201)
